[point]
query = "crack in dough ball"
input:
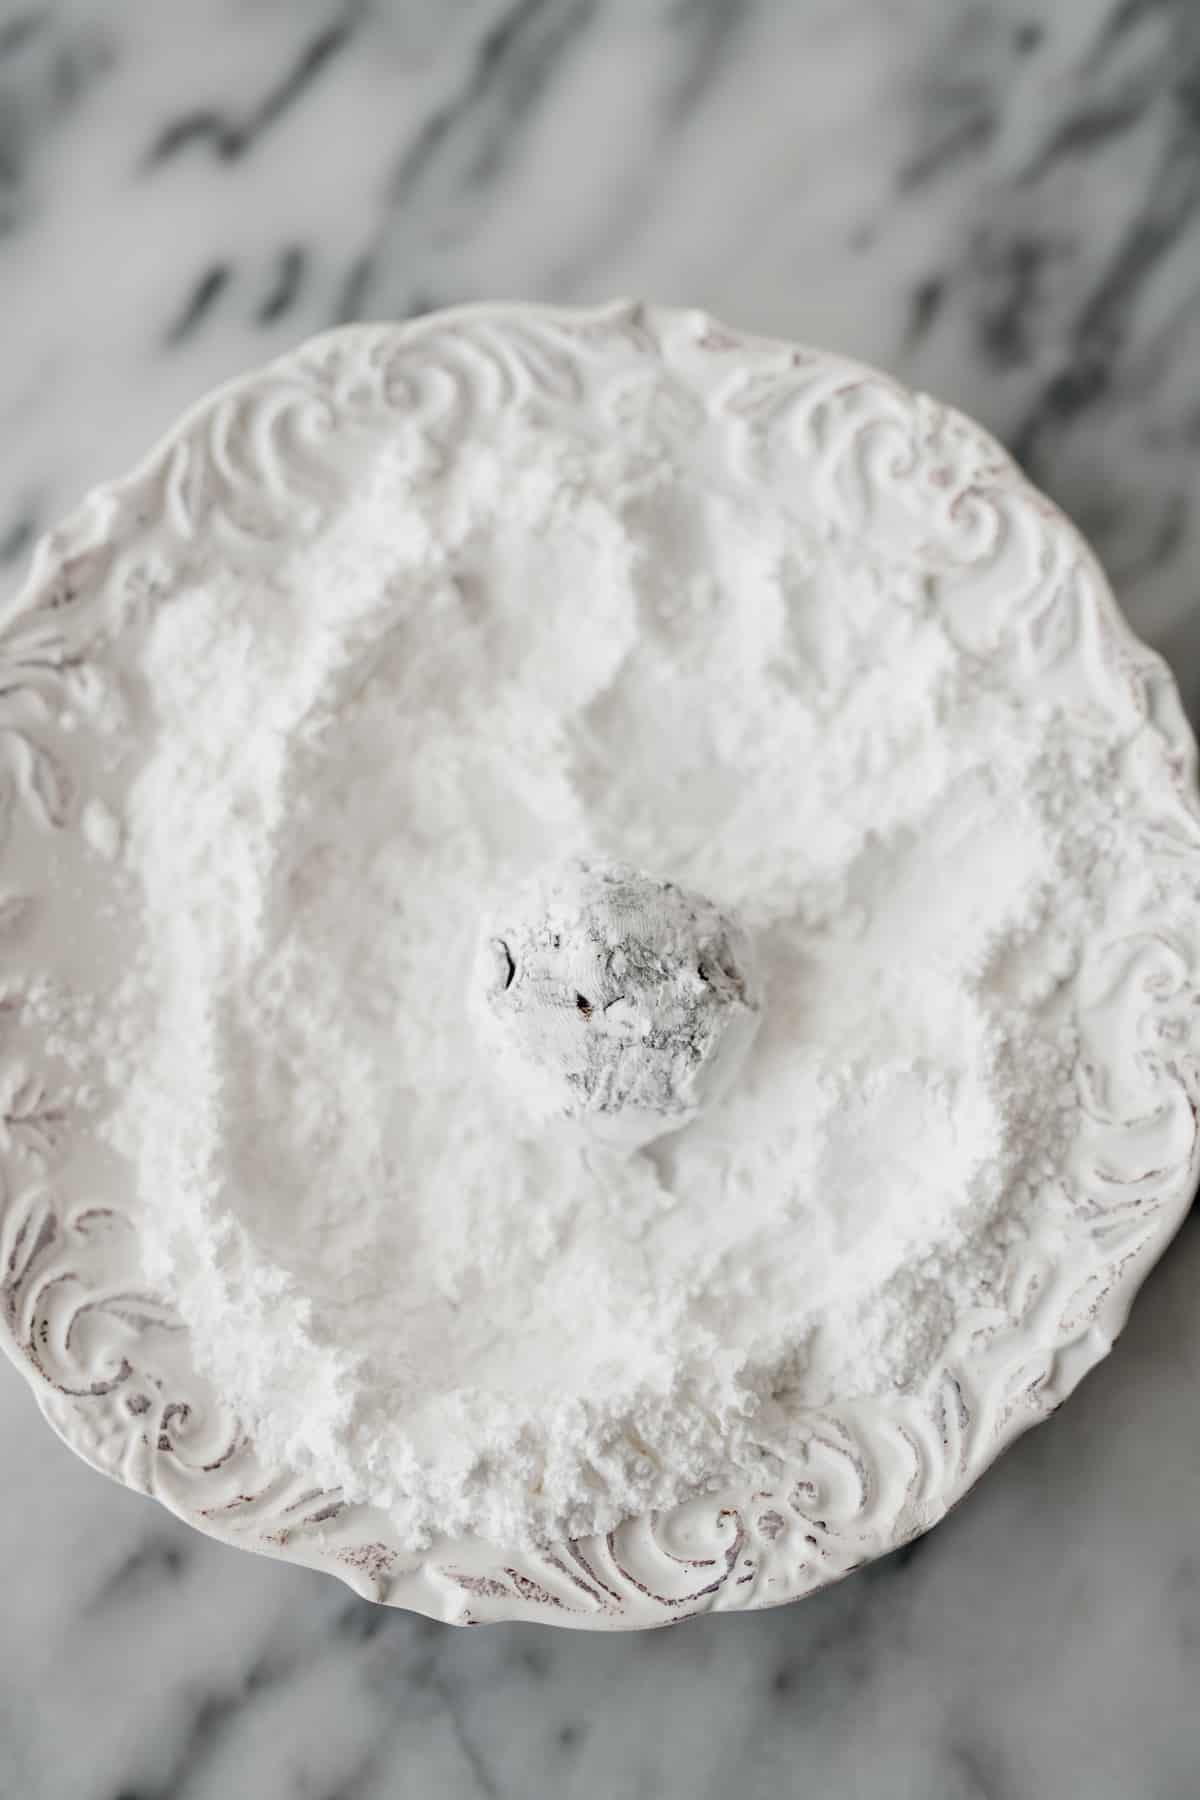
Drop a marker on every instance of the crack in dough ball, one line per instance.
(621, 1003)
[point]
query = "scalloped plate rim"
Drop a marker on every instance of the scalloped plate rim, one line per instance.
(1074, 1356)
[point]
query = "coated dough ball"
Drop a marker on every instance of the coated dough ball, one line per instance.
(613, 1000)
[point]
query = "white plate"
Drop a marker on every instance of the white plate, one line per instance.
(110, 1365)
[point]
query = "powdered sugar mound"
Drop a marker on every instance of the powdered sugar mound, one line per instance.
(554, 647)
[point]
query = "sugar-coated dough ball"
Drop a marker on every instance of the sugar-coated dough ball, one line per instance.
(611, 999)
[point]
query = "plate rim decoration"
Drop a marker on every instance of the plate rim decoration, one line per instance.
(109, 1362)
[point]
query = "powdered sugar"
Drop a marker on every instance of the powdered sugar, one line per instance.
(554, 645)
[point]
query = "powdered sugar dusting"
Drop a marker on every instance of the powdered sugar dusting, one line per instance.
(558, 645)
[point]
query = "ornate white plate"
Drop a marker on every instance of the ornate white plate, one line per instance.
(110, 1364)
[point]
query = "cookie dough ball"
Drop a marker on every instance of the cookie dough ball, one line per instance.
(616, 1001)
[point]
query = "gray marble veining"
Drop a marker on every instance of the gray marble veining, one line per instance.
(998, 199)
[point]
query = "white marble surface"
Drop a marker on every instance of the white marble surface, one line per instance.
(1000, 199)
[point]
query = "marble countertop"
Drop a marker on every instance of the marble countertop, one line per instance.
(998, 199)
